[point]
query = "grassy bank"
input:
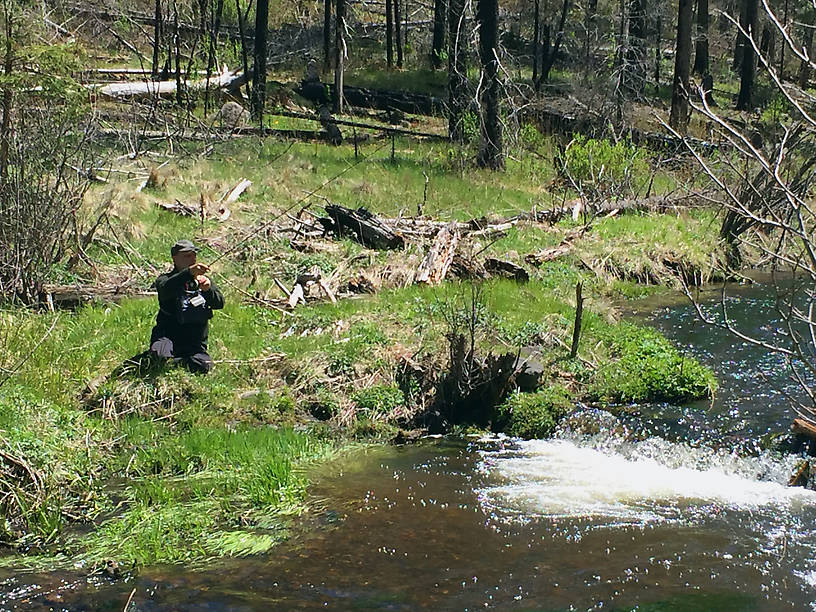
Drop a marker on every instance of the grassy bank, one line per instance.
(107, 463)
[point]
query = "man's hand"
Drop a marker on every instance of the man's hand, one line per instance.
(203, 282)
(199, 268)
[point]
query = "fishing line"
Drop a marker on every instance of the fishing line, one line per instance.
(297, 203)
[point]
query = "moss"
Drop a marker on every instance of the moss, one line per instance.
(533, 415)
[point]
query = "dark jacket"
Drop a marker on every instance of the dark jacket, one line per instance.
(189, 337)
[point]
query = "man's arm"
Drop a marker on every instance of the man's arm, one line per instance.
(214, 297)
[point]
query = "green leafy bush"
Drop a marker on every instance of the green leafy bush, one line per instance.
(647, 367)
(533, 415)
(602, 169)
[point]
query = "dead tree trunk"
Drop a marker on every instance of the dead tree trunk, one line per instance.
(701, 62)
(749, 57)
(536, 52)
(157, 36)
(397, 31)
(242, 32)
(491, 154)
(682, 63)
(439, 26)
(177, 54)
(389, 34)
(339, 54)
(259, 72)
(457, 70)
(550, 53)
(327, 12)
(8, 66)
(219, 10)
(804, 66)
(636, 50)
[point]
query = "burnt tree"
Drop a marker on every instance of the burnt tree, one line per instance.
(389, 34)
(259, 70)
(682, 65)
(439, 26)
(701, 60)
(749, 58)
(491, 154)
(457, 70)
(327, 15)
(551, 44)
(339, 53)
(636, 49)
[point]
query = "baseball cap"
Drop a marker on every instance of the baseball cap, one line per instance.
(183, 246)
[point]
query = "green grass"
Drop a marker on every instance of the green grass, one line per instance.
(172, 467)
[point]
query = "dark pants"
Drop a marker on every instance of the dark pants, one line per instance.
(197, 361)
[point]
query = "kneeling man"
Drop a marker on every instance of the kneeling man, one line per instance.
(187, 298)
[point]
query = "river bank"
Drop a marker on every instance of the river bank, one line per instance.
(165, 466)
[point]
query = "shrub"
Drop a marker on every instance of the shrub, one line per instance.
(533, 415)
(648, 368)
(601, 169)
(379, 399)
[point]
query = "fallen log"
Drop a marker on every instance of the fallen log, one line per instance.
(416, 104)
(505, 268)
(69, 296)
(363, 226)
(362, 125)
(803, 427)
(553, 253)
(233, 194)
(152, 89)
(434, 266)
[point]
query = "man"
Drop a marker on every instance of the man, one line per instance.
(187, 298)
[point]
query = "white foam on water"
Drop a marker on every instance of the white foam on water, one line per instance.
(562, 478)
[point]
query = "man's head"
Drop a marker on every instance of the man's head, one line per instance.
(183, 254)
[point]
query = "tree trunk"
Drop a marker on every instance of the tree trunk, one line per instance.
(211, 60)
(739, 45)
(439, 27)
(782, 50)
(682, 64)
(658, 51)
(749, 58)
(157, 36)
(767, 46)
(259, 71)
(8, 66)
(590, 19)
(389, 34)
(551, 53)
(701, 62)
(536, 38)
(636, 52)
(457, 69)
(177, 54)
(491, 152)
(242, 32)
(327, 12)
(804, 66)
(397, 31)
(202, 17)
(339, 54)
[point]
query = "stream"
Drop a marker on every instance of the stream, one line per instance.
(669, 508)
